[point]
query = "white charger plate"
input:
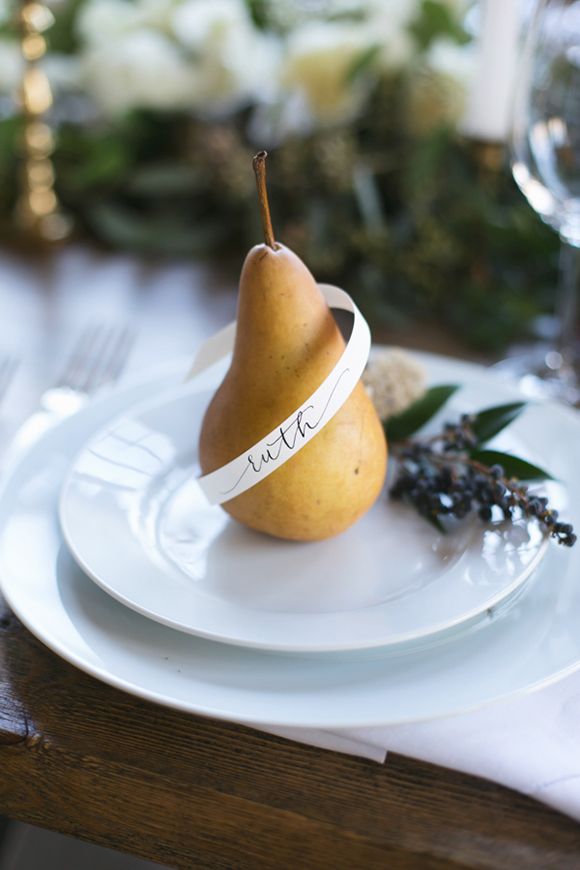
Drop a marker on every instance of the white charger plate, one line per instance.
(137, 522)
(535, 643)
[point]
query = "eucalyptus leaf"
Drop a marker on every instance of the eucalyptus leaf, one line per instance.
(404, 425)
(491, 421)
(512, 465)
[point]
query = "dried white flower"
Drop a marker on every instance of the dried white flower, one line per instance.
(394, 380)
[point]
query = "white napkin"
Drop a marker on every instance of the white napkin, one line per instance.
(530, 743)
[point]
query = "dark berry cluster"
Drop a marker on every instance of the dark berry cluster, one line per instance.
(458, 436)
(440, 479)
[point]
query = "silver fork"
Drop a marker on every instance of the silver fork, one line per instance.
(97, 359)
(8, 366)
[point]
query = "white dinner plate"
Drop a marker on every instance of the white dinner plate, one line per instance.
(536, 642)
(137, 522)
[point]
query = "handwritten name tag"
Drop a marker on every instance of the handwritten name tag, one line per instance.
(292, 434)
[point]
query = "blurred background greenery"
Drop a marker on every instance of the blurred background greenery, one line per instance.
(160, 104)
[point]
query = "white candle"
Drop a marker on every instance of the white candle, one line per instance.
(488, 112)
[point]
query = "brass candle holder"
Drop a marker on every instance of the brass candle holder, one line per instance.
(38, 212)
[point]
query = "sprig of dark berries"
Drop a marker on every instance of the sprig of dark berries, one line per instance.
(441, 478)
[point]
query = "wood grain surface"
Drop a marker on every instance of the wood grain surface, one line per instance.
(82, 758)
(85, 759)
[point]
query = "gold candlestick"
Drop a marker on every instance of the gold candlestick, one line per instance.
(37, 210)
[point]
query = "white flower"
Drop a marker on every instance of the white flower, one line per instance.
(389, 22)
(142, 69)
(316, 70)
(157, 13)
(100, 22)
(394, 380)
(232, 63)
(452, 60)
(400, 12)
(197, 23)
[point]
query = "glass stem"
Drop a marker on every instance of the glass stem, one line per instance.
(567, 311)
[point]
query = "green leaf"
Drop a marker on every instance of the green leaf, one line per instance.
(414, 418)
(512, 465)
(129, 228)
(490, 422)
(62, 36)
(258, 10)
(436, 523)
(362, 62)
(437, 21)
(165, 179)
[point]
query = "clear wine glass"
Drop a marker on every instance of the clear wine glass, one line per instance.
(545, 160)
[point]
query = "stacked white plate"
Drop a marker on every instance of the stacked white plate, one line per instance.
(110, 555)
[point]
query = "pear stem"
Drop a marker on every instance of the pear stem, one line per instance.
(259, 164)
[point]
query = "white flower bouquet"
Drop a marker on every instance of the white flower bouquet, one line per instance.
(159, 105)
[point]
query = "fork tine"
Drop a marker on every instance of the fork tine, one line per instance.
(118, 357)
(97, 358)
(94, 360)
(110, 349)
(73, 371)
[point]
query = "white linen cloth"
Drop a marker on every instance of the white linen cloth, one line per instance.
(530, 743)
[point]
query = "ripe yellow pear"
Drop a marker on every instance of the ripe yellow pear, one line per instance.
(287, 342)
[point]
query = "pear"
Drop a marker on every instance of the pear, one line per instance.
(287, 342)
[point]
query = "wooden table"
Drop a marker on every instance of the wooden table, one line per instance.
(79, 757)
